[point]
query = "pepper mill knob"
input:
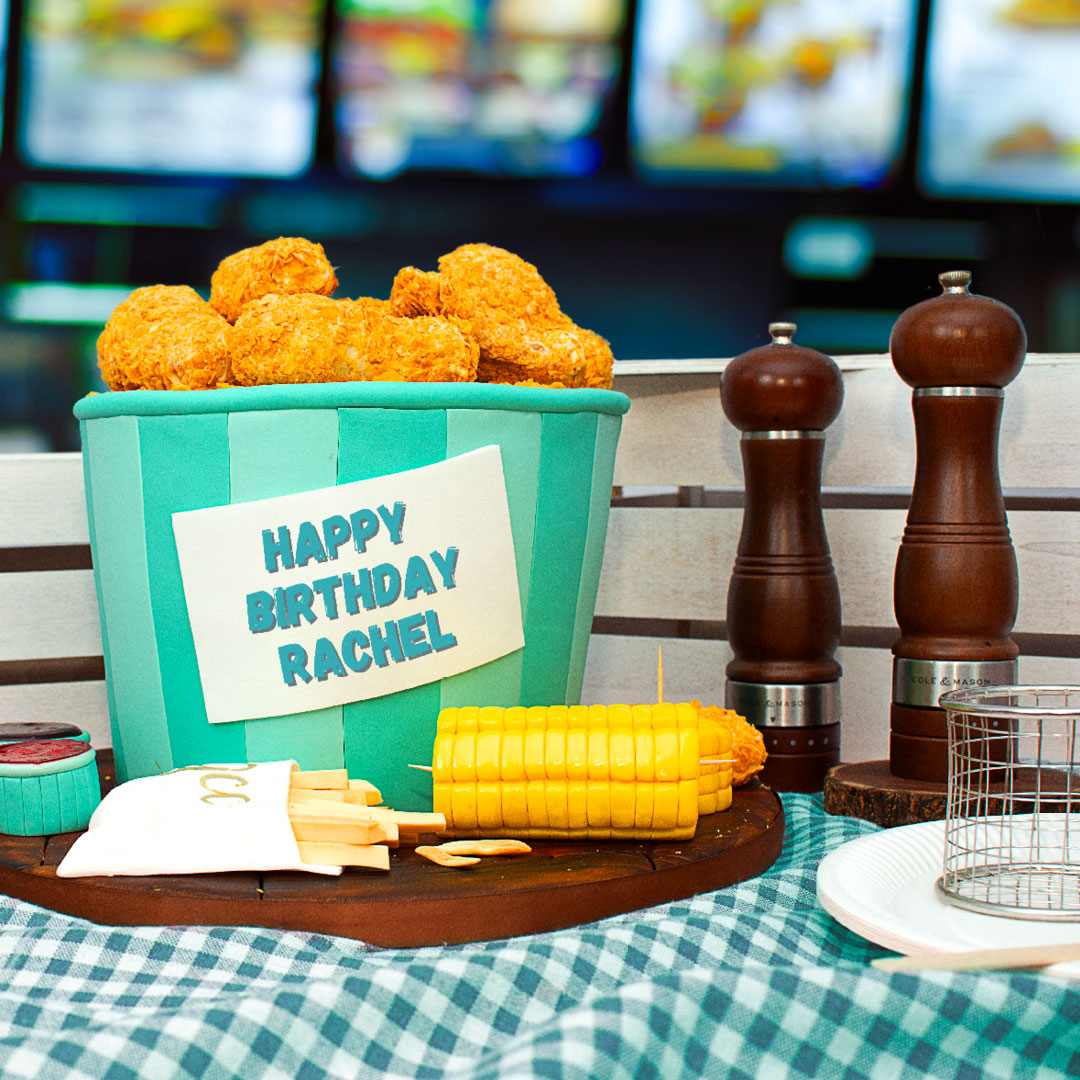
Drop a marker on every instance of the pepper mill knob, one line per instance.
(783, 605)
(958, 339)
(955, 591)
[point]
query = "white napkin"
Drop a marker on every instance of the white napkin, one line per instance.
(195, 820)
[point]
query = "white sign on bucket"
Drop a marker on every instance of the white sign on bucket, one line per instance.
(350, 592)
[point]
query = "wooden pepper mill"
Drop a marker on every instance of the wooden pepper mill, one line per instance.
(955, 591)
(783, 605)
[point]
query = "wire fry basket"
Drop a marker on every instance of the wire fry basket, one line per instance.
(1012, 818)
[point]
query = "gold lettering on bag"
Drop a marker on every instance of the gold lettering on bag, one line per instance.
(216, 793)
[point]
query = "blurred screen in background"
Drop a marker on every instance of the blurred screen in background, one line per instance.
(500, 87)
(799, 93)
(1001, 113)
(187, 86)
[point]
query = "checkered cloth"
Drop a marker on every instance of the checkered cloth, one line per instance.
(751, 981)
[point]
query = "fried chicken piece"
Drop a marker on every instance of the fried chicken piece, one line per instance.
(287, 265)
(305, 338)
(747, 744)
(164, 337)
(423, 349)
(502, 301)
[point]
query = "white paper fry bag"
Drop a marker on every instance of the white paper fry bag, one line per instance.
(196, 820)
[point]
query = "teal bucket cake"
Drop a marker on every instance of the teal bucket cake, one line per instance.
(148, 454)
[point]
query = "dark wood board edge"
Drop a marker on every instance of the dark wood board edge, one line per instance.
(641, 875)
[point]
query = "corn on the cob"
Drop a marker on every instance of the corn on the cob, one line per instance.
(578, 772)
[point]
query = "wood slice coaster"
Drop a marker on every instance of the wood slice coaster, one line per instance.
(868, 790)
(560, 884)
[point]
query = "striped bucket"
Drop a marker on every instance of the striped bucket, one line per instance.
(148, 454)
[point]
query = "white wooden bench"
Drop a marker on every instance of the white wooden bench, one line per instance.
(671, 545)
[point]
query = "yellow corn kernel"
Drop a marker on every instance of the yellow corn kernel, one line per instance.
(555, 796)
(467, 717)
(464, 760)
(664, 715)
(689, 754)
(491, 718)
(535, 767)
(514, 718)
(707, 803)
(441, 800)
(723, 798)
(488, 754)
(536, 804)
(666, 754)
(599, 754)
(622, 805)
(708, 782)
(686, 715)
(536, 716)
(577, 804)
(598, 806)
(644, 749)
(665, 805)
(621, 755)
(620, 716)
(598, 716)
(709, 740)
(643, 807)
(641, 715)
(513, 755)
(555, 754)
(489, 806)
(442, 760)
(515, 809)
(447, 721)
(462, 807)
(556, 716)
(686, 813)
(577, 716)
(577, 754)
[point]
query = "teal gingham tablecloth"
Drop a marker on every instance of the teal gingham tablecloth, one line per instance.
(751, 981)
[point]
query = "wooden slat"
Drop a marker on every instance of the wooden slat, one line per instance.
(676, 432)
(675, 563)
(44, 500)
(81, 703)
(55, 613)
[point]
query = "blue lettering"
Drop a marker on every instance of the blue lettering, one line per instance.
(327, 661)
(335, 532)
(383, 643)
(387, 584)
(260, 612)
(348, 650)
(446, 565)
(364, 526)
(293, 662)
(394, 520)
(439, 640)
(308, 545)
(360, 590)
(281, 548)
(413, 638)
(417, 578)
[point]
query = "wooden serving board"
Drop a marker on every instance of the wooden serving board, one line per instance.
(559, 884)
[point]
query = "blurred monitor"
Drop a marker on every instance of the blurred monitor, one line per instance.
(785, 93)
(501, 87)
(1001, 108)
(177, 86)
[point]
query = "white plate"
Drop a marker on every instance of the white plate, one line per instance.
(881, 886)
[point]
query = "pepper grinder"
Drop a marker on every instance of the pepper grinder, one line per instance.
(955, 590)
(783, 604)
